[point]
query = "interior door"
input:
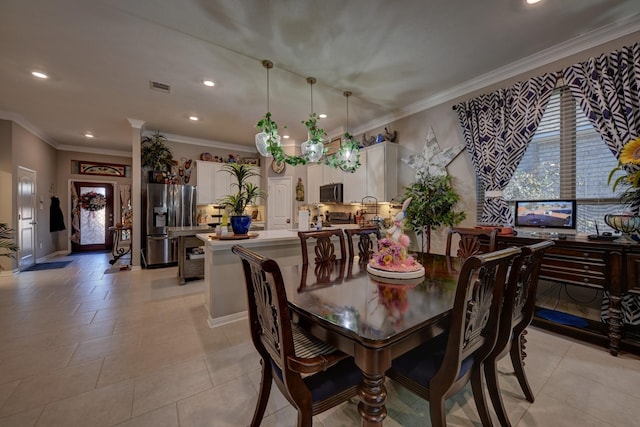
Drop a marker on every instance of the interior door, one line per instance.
(26, 217)
(92, 215)
(279, 204)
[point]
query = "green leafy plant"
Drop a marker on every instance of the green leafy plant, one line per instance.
(247, 192)
(432, 206)
(8, 247)
(316, 134)
(270, 127)
(155, 154)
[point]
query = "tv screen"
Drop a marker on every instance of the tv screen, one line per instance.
(559, 214)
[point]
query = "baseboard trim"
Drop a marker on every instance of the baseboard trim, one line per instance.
(225, 320)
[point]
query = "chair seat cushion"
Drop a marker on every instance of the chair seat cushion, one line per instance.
(334, 380)
(422, 363)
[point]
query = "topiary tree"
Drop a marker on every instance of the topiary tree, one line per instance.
(431, 206)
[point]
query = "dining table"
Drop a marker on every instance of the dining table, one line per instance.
(374, 319)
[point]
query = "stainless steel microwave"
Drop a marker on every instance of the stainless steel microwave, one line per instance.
(331, 193)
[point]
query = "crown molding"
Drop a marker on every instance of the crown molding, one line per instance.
(209, 143)
(93, 150)
(19, 119)
(555, 53)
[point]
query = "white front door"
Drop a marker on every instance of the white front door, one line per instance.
(26, 217)
(279, 203)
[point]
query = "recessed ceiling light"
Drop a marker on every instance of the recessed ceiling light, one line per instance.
(532, 1)
(285, 136)
(88, 135)
(209, 83)
(39, 74)
(322, 116)
(194, 118)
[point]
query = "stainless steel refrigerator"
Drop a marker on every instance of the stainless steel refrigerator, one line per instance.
(166, 206)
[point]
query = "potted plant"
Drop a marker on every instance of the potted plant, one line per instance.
(247, 194)
(432, 205)
(8, 248)
(155, 155)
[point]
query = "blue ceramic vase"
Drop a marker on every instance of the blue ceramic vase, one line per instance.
(240, 223)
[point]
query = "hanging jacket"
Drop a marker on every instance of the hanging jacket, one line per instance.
(56, 218)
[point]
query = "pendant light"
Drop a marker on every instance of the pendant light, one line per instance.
(268, 139)
(348, 155)
(313, 148)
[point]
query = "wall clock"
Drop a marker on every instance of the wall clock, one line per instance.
(277, 167)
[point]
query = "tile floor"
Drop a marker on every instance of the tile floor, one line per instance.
(84, 348)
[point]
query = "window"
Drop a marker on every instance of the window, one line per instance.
(567, 159)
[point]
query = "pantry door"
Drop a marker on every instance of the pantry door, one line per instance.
(279, 204)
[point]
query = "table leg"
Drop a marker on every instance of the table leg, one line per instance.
(373, 395)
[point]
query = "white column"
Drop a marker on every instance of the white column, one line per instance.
(136, 192)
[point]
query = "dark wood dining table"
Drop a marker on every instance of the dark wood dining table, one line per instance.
(371, 318)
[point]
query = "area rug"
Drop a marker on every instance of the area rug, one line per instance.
(562, 318)
(48, 265)
(117, 269)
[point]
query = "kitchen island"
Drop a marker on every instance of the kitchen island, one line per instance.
(225, 291)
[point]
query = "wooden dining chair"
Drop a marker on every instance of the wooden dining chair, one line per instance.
(441, 367)
(324, 249)
(472, 241)
(366, 244)
(313, 375)
(517, 313)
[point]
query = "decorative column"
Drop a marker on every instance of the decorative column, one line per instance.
(136, 191)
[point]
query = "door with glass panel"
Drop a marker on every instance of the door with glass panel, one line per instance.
(91, 216)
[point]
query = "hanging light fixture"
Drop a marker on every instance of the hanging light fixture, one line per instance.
(267, 140)
(348, 155)
(313, 148)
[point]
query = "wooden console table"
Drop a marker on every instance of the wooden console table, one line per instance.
(608, 265)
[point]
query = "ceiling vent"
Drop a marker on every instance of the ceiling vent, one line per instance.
(161, 87)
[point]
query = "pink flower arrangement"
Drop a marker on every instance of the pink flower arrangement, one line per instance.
(393, 255)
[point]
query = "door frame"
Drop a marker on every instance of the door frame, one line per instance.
(34, 207)
(270, 182)
(115, 208)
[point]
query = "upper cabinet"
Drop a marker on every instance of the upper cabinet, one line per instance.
(214, 182)
(377, 175)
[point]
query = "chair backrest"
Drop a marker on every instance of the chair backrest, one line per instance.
(520, 296)
(366, 244)
(268, 310)
(324, 248)
(476, 311)
(472, 241)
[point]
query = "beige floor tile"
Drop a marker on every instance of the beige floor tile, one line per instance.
(232, 362)
(548, 411)
(45, 388)
(106, 346)
(22, 419)
(167, 416)
(594, 398)
(170, 385)
(100, 407)
(28, 364)
(229, 405)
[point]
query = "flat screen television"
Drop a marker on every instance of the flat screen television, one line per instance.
(551, 216)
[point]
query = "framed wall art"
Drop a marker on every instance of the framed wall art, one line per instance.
(105, 169)
(333, 145)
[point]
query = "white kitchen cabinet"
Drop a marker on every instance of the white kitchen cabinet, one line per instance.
(331, 175)
(314, 181)
(205, 173)
(382, 171)
(354, 185)
(214, 182)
